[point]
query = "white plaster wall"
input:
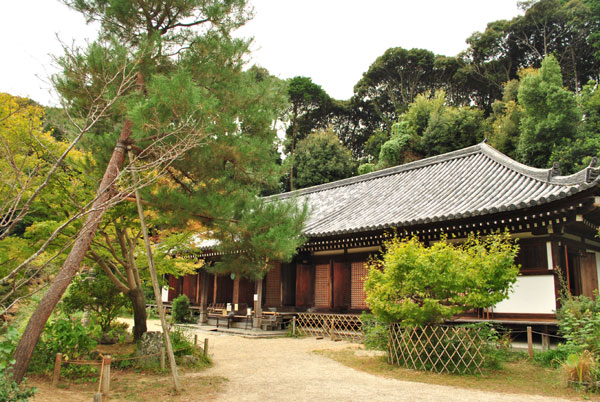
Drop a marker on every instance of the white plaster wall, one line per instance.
(164, 294)
(530, 294)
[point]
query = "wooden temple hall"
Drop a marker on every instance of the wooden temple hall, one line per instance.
(475, 189)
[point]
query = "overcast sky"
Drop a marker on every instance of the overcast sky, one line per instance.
(331, 41)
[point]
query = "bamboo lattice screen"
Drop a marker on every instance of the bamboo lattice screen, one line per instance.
(442, 349)
(346, 327)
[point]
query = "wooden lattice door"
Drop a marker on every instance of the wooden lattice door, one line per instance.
(322, 286)
(358, 295)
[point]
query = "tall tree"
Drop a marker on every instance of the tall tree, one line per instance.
(394, 80)
(321, 158)
(551, 115)
(167, 114)
(563, 28)
(309, 106)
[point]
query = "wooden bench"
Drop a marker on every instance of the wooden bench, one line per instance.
(221, 314)
(275, 320)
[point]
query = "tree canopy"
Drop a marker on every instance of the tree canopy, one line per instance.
(321, 158)
(417, 285)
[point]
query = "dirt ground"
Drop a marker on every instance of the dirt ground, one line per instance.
(286, 369)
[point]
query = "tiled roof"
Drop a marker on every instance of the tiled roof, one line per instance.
(472, 181)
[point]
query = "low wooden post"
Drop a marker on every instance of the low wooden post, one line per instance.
(545, 341)
(332, 327)
(57, 364)
(195, 339)
(162, 358)
(205, 347)
(294, 325)
(529, 342)
(106, 378)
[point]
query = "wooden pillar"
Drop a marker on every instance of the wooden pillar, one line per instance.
(236, 290)
(197, 298)
(258, 304)
(215, 290)
(204, 297)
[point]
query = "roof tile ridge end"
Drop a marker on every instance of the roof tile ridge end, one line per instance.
(505, 160)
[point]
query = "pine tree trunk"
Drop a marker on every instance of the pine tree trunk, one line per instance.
(71, 265)
(138, 301)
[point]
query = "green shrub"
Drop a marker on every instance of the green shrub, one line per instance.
(554, 357)
(183, 346)
(417, 285)
(69, 337)
(186, 354)
(10, 391)
(98, 295)
(375, 333)
(181, 309)
(579, 322)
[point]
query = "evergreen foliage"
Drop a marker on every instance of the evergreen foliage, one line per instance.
(181, 309)
(321, 158)
(551, 115)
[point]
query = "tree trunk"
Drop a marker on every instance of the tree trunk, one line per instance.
(138, 301)
(292, 147)
(71, 265)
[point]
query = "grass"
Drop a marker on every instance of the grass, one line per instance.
(519, 376)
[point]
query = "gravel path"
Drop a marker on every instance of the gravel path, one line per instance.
(285, 369)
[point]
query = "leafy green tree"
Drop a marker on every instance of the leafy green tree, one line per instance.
(94, 291)
(431, 127)
(321, 158)
(551, 115)
(418, 285)
(366, 168)
(576, 154)
(309, 106)
(397, 150)
(563, 28)
(504, 130)
(39, 194)
(394, 80)
(374, 144)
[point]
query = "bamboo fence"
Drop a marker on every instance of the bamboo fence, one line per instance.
(347, 327)
(441, 349)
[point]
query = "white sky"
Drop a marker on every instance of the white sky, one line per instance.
(331, 41)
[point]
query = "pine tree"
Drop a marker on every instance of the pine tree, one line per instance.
(174, 106)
